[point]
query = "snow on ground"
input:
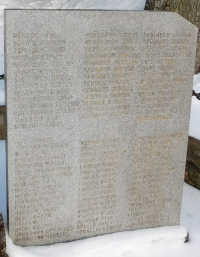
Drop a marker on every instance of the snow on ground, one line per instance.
(123, 244)
(2, 94)
(194, 130)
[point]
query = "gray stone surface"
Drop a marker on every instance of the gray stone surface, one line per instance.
(98, 106)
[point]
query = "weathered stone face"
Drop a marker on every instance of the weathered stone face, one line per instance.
(98, 107)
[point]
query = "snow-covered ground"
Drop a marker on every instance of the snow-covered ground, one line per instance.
(165, 242)
(124, 244)
(194, 130)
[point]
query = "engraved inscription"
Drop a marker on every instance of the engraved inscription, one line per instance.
(40, 86)
(49, 171)
(108, 70)
(97, 113)
(160, 85)
(152, 165)
(98, 200)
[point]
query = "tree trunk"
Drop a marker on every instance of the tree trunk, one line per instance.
(2, 238)
(2, 124)
(189, 9)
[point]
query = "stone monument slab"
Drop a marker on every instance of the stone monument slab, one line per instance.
(98, 106)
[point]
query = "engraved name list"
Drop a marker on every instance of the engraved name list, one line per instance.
(98, 107)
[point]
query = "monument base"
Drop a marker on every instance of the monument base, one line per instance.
(128, 243)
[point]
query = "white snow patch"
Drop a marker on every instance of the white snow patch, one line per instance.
(194, 130)
(2, 95)
(129, 243)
